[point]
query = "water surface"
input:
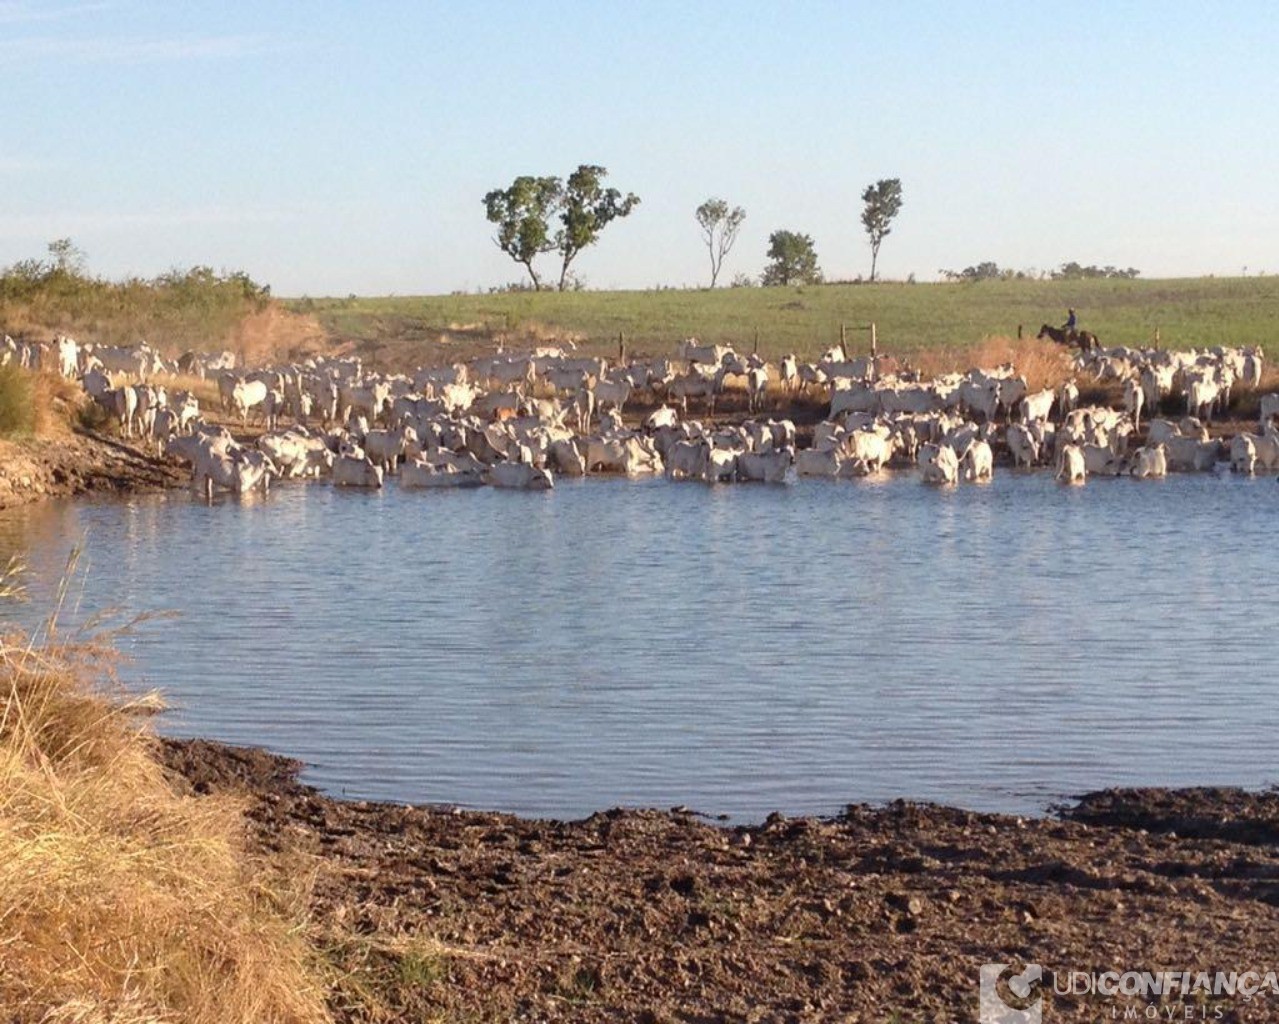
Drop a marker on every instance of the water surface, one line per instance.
(736, 649)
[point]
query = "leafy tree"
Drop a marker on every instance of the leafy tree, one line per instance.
(883, 201)
(719, 230)
(794, 260)
(522, 213)
(586, 209)
(68, 258)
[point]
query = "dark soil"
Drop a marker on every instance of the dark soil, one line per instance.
(880, 914)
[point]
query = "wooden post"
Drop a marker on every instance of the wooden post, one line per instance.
(1019, 332)
(621, 348)
(757, 341)
(874, 351)
(843, 338)
(1156, 337)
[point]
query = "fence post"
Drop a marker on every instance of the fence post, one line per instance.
(843, 338)
(874, 351)
(621, 348)
(1019, 332)
(1156, 337)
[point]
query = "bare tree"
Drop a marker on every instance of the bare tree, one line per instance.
(719, 230)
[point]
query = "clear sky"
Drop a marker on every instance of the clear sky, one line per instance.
(329, 148)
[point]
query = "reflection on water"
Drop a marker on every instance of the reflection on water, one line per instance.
(736, 649)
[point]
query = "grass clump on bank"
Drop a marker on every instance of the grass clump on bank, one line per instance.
(121, 900)
(17, 401)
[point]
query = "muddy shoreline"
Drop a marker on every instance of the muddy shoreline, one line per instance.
(79, 463)
(645, 916)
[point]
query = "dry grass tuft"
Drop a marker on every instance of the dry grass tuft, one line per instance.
(17, 401)
(1044, 364)
(121, 900)
(57, 403)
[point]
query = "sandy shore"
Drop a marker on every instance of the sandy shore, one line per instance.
(649, 916)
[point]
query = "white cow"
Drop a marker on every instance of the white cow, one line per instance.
(938, 464)
(1150, 462)
(236, 470)
(978, 462)
(869, 447)
(1201, 396)
(384, 447)
(1067, 397)
(247, 395)
(1022, 445)
(518, 475)
(688, 460)
(1038, 406)
(662, 416)
(790, 373)
(756, 387)
(68, 357)
(821, 462)
(124, 403)
(765, 467)
(1269, 409)
(1070, 464)
(1190, 454)
(422, 473)
(612, 394)
(353, 471)
(1134, 399)
(1243, 454)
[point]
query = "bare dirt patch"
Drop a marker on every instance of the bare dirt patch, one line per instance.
(72, 464)
(883, 913)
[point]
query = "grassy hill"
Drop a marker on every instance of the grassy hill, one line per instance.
(910, 318)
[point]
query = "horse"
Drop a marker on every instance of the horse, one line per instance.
(1083, 340)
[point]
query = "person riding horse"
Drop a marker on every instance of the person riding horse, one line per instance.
(1071, 322)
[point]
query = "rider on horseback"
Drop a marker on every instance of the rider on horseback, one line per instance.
(1069, 328)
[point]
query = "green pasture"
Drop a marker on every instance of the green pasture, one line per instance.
(909, 318)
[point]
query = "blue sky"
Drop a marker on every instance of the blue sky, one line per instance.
(329, 148)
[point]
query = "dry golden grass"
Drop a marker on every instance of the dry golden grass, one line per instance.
(1044, 364)
(120, 900)
(57, 403)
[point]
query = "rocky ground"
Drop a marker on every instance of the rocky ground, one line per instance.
(77, 463)
(879, 914)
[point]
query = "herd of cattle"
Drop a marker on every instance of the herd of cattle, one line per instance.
(518, 420)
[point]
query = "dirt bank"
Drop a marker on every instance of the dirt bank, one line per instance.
(884, 913)
(80, 463)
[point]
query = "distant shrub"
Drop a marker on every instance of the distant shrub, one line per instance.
(182, 308)
(17, 404)
(1072, 271)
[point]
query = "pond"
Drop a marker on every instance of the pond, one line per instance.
(735, 649)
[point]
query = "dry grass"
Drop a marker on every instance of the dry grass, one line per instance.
(57, 404)
(1044, 364)
(120, 900)
(17, 401)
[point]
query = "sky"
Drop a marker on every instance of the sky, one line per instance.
(337, 148)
